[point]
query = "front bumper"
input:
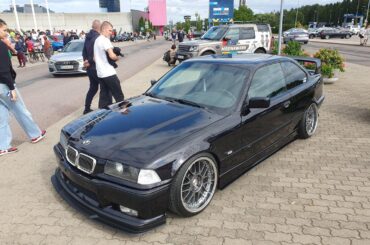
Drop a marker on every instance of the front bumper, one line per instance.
(53, 69)
(185, 55)
(100, 199)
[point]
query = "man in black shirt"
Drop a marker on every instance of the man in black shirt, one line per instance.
(89, 63)
(10, 101)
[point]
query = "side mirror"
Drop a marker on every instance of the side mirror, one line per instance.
(259, 102)
(153, 82)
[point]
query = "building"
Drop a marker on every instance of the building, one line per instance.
(158, 14)
(110, 5)
(242, 3)
(27, 9)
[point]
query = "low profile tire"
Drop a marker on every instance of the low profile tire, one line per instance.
(194, 185)
(308, 125)
(348, 36)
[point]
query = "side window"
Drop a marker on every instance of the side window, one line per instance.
(268, 81)
(294, 75)
(232, 35)
(247, 33)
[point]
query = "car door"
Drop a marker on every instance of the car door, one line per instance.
(261, 128)
(296, 79)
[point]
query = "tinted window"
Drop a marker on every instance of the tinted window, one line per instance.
(294, 75)
(247, 33)
(216, 86)
(268, 81)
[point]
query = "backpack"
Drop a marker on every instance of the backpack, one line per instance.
(166, 56)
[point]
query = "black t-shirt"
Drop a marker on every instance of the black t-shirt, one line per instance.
(6, 71)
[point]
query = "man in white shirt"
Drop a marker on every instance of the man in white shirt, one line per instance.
(105, 71)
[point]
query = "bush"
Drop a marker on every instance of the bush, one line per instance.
(293, 48)
(331, 60)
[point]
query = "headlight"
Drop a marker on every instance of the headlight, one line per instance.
(51, 62)
(63, 140)
(148, 177)
(140, 176)
(193, 49)
(80, 60)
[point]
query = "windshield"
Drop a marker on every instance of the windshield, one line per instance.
(213, 86)
(215, 33)
(73, 47)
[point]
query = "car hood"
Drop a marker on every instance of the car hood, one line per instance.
(138, 136)
(67, 56)
(198, 42)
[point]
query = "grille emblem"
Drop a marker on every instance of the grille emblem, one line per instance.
(86, 142)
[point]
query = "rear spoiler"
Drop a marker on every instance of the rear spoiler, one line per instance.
(310, 64)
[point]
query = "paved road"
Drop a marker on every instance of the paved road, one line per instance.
(50, 99)
(353, 54)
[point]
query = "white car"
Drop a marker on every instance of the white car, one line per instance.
(69, 60)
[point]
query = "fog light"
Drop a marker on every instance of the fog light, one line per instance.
(128, 211)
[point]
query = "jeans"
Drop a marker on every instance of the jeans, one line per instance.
(110, 86)
(20, 112)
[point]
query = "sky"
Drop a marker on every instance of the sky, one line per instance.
(176, 9)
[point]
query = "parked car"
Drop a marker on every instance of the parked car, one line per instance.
(292, 30)
(312, 33)
(69, 60)
(302, 37)
(56, 42)
(335, 33)
(224, 39)
(201, 126)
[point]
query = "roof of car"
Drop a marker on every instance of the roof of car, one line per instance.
(240, 58)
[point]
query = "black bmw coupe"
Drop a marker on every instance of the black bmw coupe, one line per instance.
(198, 128)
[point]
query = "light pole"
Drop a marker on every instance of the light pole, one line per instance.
(33, 14)
(47, 11)
(281, 26)
(296, 16)
(367, 13)
(16, 16)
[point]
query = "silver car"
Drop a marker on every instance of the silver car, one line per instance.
(69, 61)
(296, 36)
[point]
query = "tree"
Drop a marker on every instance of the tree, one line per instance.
(141, 24)
(243, 14)
(199, 24)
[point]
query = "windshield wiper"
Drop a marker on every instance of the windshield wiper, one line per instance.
(150, 95)
(187, 102)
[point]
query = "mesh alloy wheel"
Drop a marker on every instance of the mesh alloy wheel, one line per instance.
(199, 184)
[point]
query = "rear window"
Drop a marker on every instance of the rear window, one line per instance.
(263, 28)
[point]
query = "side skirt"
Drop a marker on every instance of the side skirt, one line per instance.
(227, 178)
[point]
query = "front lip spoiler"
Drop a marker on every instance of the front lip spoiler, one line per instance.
(123, 221)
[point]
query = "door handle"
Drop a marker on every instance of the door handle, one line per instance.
(286, 104)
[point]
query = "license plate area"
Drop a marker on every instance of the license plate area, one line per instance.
(66, 67)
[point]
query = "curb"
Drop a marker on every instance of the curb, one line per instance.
(328, 42)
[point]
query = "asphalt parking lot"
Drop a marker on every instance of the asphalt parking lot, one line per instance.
(314, 191)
